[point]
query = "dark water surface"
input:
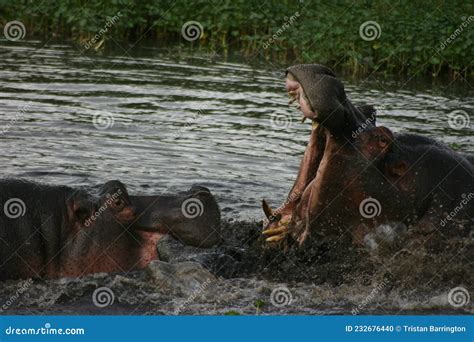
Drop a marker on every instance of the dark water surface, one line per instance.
(161, 120)
(175, 119)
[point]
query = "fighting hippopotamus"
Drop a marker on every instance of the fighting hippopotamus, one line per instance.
(58, 231)
(355, 176)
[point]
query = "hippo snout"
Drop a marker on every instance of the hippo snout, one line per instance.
(196, 189)
(199, 221)
(192, 216)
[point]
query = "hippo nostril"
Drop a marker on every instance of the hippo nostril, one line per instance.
(197, 188)
(201, 194)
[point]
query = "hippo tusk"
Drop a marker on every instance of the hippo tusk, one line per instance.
(267, 210)
(275, 238)
(275, 231)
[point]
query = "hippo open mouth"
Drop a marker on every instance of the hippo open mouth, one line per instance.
(299, 198)
(320, 96)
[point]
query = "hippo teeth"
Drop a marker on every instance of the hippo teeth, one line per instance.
(293, 97)
(314, 125)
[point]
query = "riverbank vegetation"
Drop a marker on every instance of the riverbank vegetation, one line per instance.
(393, 37)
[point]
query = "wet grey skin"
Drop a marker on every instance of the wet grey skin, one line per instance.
(193, 216)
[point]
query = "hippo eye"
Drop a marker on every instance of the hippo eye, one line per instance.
(118, 202)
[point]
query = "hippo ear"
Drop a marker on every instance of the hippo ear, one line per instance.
(79, 210)
(396, 169)
(369, 112)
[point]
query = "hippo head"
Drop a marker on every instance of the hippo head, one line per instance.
(192, 216)
(107, 231)
(322, 98)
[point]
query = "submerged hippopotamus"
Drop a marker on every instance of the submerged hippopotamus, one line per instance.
(57, 231)
(355, 176)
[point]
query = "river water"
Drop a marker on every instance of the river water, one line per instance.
(161, 120)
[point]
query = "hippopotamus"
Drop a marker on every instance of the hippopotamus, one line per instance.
(355, 176)
(59, 231)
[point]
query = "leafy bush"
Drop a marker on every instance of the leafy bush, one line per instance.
(325, 31)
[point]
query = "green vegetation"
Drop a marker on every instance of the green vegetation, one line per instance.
(455, 146)
(413, 34)
(259, 304)
(232, 313)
